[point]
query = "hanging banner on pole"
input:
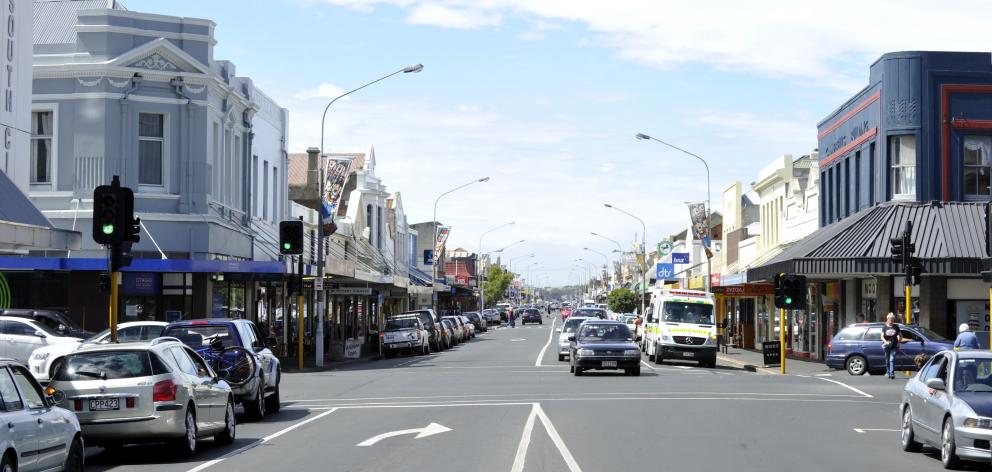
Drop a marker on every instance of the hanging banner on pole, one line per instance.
(442, 237)
(700, 231)
(336, 175)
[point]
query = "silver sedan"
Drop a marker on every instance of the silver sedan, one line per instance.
(948, 405)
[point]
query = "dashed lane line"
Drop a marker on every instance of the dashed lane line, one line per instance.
(551, 336)
(842, 384)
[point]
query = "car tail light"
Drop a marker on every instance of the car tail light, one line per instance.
(830, 348)
(129, 402)
(77, 405)
(382, 336)
(164, 391)
(199, 323)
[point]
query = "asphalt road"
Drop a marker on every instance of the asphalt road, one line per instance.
(497, 404)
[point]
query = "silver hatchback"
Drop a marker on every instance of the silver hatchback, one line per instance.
(142, 392)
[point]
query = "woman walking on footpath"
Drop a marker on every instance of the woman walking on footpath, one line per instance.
(891, 337)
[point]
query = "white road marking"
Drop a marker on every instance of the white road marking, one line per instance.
(260, 441)
(551, 336)
(559, 443)
(645, 364)
(842, 384)
(521, 456)
(424, 432)
(496, 395)
(824, 375)
(803, 376)
(862, 430)
(514, 340)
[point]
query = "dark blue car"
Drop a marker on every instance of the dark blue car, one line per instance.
(858, 348)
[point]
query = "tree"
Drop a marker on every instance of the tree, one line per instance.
(496, 283)
(621, 300)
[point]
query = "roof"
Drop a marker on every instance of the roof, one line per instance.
(949, 238)
(54, 21)
(17, 208)
(297, 173)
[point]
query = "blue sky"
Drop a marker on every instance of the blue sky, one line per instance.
(545, 96)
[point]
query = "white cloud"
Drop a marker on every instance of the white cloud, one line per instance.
(779, 38)
(323, 90)
(532, 36)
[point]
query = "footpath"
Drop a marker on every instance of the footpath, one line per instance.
(753, 361)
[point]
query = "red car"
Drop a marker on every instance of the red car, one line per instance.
(565, 313)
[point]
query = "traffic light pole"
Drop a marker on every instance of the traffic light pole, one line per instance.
(113, 305)
(299, 312)
(781, 340)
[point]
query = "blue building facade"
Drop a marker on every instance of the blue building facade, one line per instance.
(920, 131)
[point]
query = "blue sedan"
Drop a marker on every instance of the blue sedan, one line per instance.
(858, 348)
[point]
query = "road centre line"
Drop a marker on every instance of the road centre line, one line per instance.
(556, 438)
(863, 430)
(551, 336)
(842, 384)
(260, 441)
(506, 395)
(483, 403)
(645, 364)
(521, 455)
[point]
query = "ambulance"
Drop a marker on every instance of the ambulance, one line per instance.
(681, 325)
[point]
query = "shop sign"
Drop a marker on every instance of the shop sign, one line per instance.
(869, 288)
(318, 284)
(714, 280)
(747, 290)
(665, 271)
(350, 291)
(140, 283)
(680, 258)
(771, 352)
(352, 348)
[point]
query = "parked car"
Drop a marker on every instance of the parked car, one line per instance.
(492, 318)
(19, 337)
(565, 332)
(948, 405)
(38, 435)
(858, 348)
(429, 320)
(478, 320)
(405, 333)
(531, 315)
(449, 333)
(460, 334)
(150, 391)
(56, 321)
(261, 393)
(470, 325)
(600, 344)
(45, 359)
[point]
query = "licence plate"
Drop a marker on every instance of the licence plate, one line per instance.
(401, 345)
(609, 363)
(688, 354)
(105, 404)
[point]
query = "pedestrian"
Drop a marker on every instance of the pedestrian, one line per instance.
(891, 337)
(966, 339)
(513, 323)
(860, 318)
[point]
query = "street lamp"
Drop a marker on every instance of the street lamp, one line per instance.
(509, 262)
(437, 257)
(709, 210)
(319, 342)
(500, 250)
(644, 253)
(480, 276)
(619, 250)
(606, 264)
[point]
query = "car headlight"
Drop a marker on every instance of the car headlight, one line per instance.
(631, 353)
(40, 356)
(666, 338)
(710, 340)
(984, 423)
(585, 352)
(411, 335)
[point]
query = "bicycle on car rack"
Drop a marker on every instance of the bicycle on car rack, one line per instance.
(233, 364)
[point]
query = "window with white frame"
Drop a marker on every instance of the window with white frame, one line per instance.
(41, 147)
(977, 165)
(151, 148)
(902, 160)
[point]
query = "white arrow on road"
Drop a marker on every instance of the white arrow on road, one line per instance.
(428, 430)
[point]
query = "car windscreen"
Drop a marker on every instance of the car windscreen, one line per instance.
(685, 312)
(394, 324)
(200, 336)
(851, 333)
(613, 332)
(591, 312)
(571, 324)
(973, 375)
(532, 311)
(104, 365)
(930, 334)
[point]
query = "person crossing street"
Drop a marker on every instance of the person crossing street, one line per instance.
(966, 339)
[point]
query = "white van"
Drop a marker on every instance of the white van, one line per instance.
(681, 324)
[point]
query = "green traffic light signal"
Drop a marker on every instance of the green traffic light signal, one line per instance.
(108, 229)
(287, 246)
(788, 300)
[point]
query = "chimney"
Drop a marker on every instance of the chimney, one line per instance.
(313, 167)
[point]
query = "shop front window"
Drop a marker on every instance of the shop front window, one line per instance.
(902, 159)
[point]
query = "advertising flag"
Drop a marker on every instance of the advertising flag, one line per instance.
(442, 237)
(700, 231)
(336, 175)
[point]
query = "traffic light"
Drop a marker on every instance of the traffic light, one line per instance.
(291, 237)
(795, 292)
(121, 256)
(104, 282)
(915, 271)
(113, 214)
(135, 229)
(779, 291)
(898, 251)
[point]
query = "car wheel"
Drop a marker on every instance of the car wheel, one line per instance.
(7, 464)
(578, 372)
(652, 352)
(948, 448)
(272, 402)
(856, 365)
(636, 371)
(186, 445)
(908, 438)
(255, 408)
(230, 426)
(425, 349)
(74, 460)
(560, 357)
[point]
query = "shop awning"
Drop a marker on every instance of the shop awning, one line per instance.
(419, 277)
(949, 239)
(23, 228)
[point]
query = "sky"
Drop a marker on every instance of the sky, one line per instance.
(545, 98)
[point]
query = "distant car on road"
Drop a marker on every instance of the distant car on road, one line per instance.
(142, 392)
(20, 337)
(948, 405)
(565, 313)
(405, 333)
(479, 321)
(600, 344)
(451, 333)
(260, 394)
(858, 348)
(38, 435)
(44, 360)
(590, 312)
(531, 315)
(566, 331)
(55, 320)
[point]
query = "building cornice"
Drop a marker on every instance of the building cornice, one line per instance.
(203, 38)
(147, 16)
